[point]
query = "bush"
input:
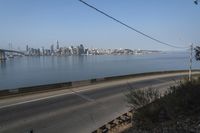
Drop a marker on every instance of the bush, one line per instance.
(150, 110)
(137, 98)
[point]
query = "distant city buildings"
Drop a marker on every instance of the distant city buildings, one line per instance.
(81, 50)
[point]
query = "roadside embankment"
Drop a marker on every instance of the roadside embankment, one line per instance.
(175, 112)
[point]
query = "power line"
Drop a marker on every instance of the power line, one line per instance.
(118, 21)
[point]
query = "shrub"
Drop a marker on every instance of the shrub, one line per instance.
(139, 97)
(150, 109)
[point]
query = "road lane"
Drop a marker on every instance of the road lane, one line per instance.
(81, 111)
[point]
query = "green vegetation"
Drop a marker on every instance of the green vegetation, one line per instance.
(177, 109)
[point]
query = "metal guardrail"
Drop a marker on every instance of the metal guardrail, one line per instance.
(117, 125)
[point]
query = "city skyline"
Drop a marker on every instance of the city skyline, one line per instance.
(40, 23)
(10, 46)
(57, 50)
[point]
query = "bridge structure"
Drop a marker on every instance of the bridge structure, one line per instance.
(4, 51)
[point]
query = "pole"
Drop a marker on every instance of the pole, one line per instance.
(190, 69)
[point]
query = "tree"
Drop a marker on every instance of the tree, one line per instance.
(197, 53)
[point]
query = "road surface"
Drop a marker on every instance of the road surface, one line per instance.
(77, 110)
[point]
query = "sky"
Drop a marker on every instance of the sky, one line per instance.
(40, 23)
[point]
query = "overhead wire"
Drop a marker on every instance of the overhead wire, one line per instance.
(126, 25)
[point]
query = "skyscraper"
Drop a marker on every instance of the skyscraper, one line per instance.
(81, 49)
(43, 51)
(52, 49)
(27, 48)
(57, 47)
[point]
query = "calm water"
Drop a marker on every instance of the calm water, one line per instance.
(29, 71)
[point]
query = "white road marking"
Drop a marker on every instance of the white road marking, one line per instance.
(83, 96)
(53, 96)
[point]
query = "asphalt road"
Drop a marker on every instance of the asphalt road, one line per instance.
(73, 112)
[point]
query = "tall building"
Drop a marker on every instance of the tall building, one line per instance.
(81, 49)
(52, 49)
(43, 51)
(38, 53)
(71, 48)
(57, 47)
(27, 48)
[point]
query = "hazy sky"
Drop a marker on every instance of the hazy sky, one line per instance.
(41, 22)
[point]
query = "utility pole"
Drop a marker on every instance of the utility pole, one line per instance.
(190, 69)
